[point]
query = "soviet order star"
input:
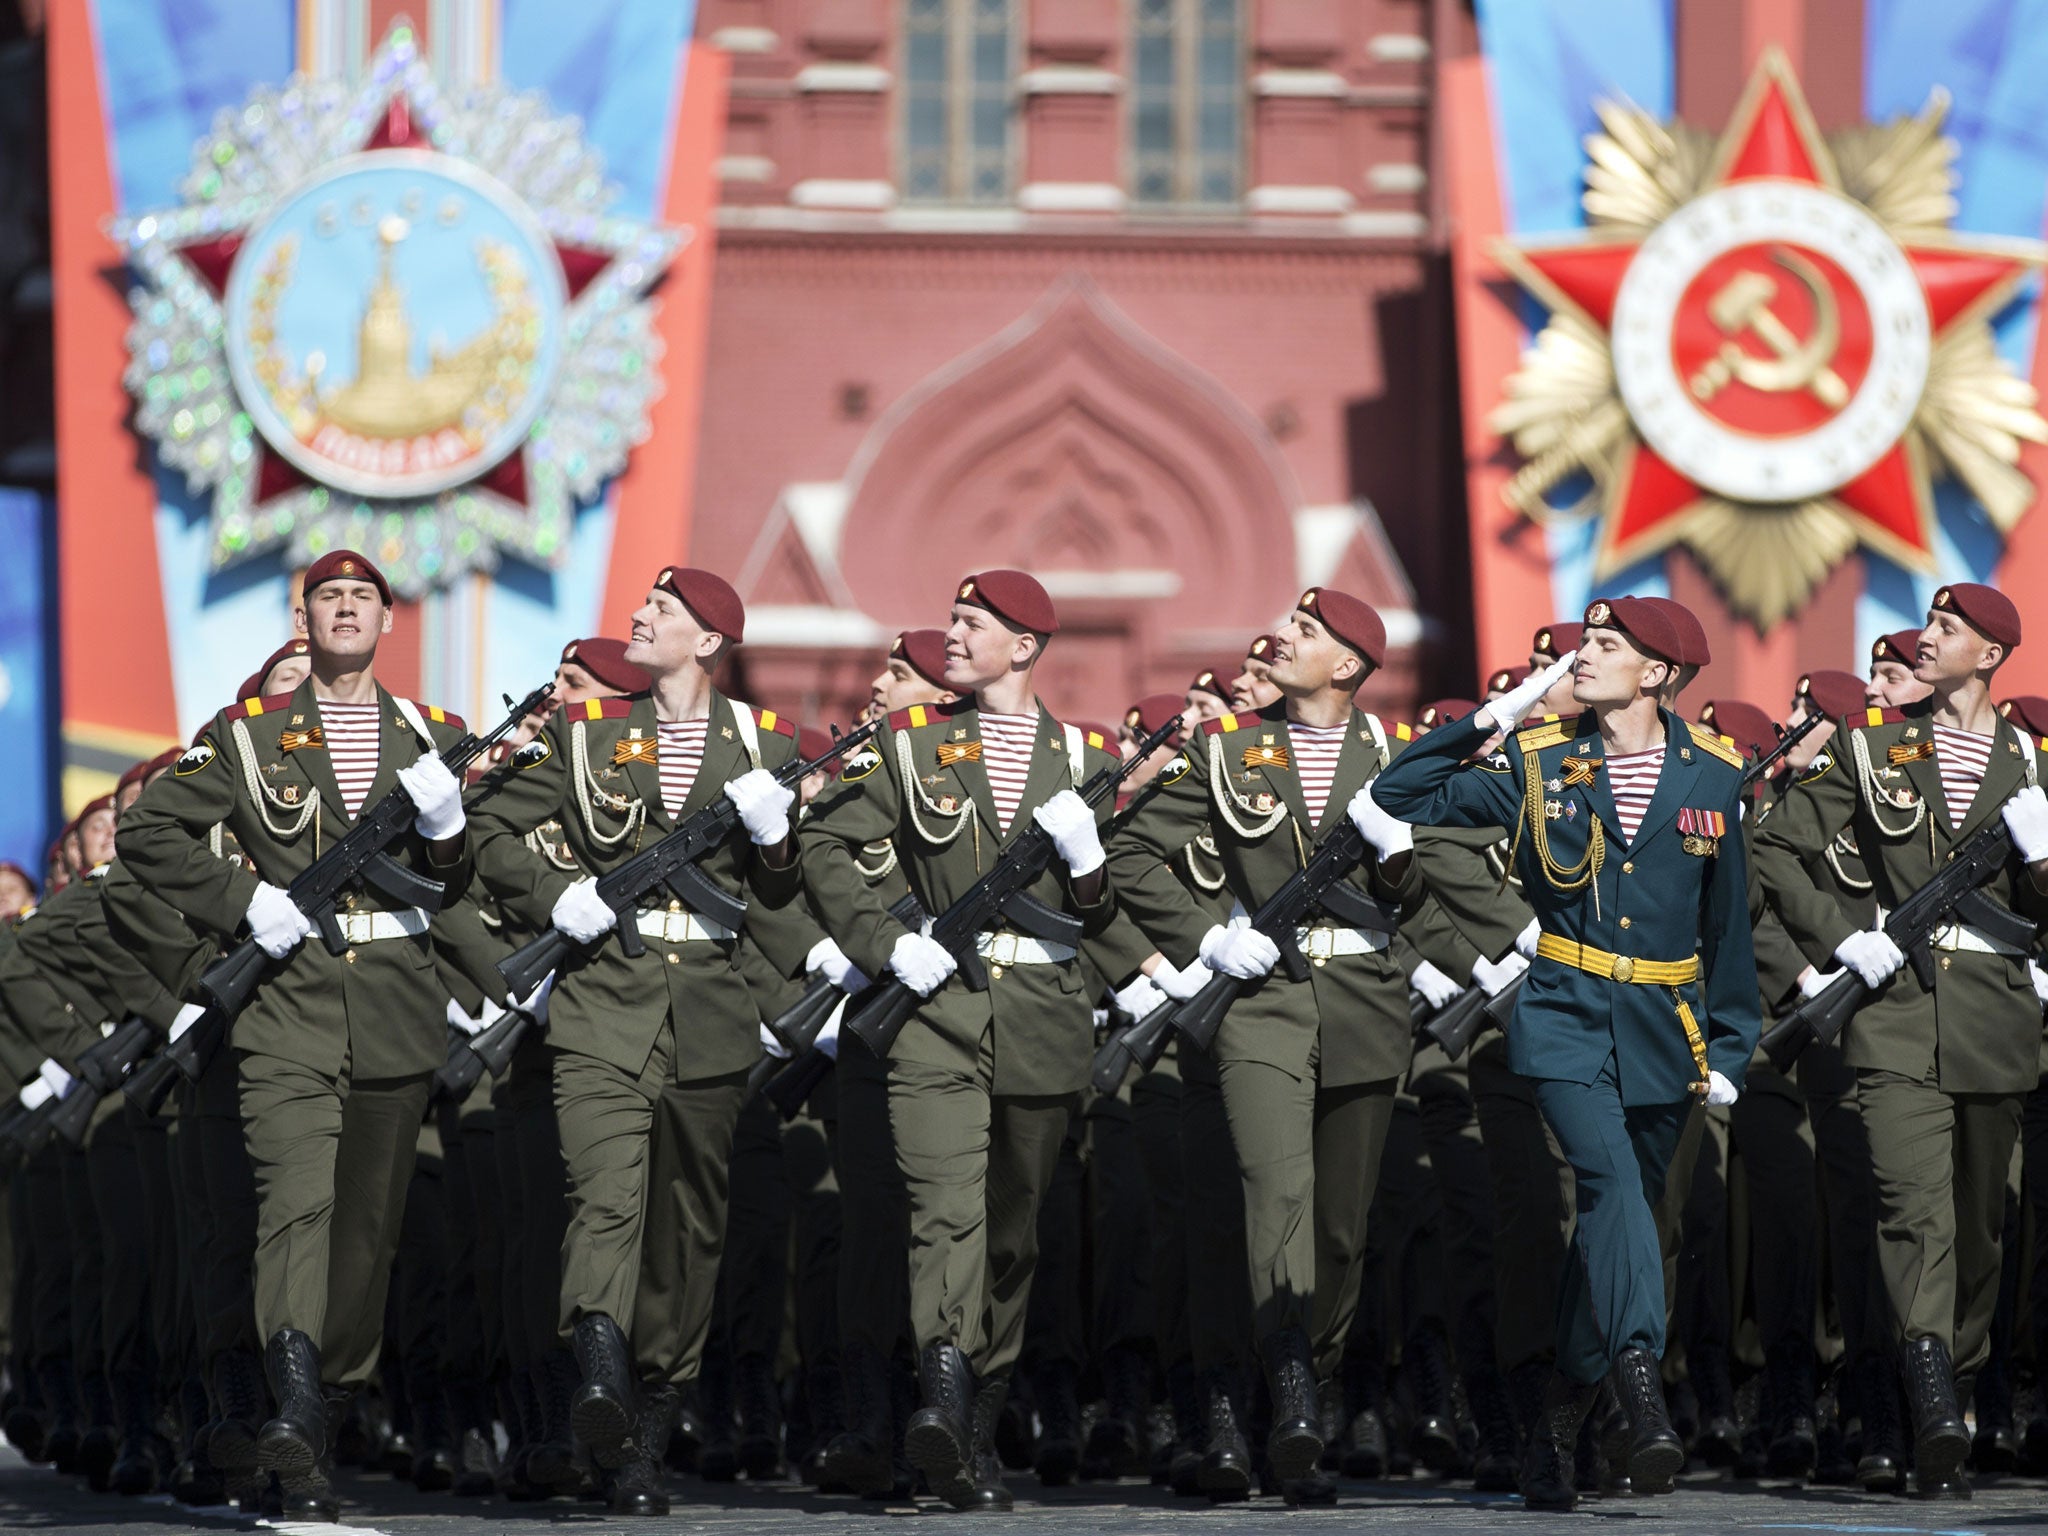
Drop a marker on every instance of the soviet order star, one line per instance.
(1771, 334)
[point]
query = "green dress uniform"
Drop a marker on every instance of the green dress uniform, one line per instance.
(980, 1085)
(333, 1053)
(1307, 1069)
(1645, 980)
(648, 1055)
(1941, 1071)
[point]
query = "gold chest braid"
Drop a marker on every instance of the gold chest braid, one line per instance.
(1562, 877)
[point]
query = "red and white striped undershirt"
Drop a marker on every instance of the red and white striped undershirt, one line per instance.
(1316, 750)
(679, 756)
(350, 732)
(1006, 742)
(1962, 756)
(1632, 776)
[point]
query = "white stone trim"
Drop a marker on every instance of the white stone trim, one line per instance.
(1299, 82)
(793, 625)
(1070, 197)
(1387, 224)
(1394, 176)
(1399, 48)
(863, 78)
(744, 39)
(1287, 199)
(1069, 80)
(1132, 582)
(745, 168)
(822, 192)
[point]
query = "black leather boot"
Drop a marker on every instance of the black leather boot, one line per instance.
(59, 1384)
(991, 1493)
(433, 1439)
(824, 1401)
(135, 1470)
(857, 1458)
(1719, 1441)
(1225, 1473)
(1881, 1462)
(1116, 1442)
(1184, 1392)
(1996, 1445)
(1793, 1447)
(1495, 1456)
(101, 1441)
(244, 1403)
(1056, 1455)
(940, 1436)
(1426, 1386)
(476, 1440)
(640, 1486)
(293, 1444)
(1548, 1473)
(760, 1417)
(1941, 1443)
(718, 1453)
(195, 1482)
(1363, 1451)
(551, 1463)
(1294, 1445)
(1655, 1457)
(601, 1409)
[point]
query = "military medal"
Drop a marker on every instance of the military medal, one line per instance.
(1701, 831)
(1580, 770)
(951, 752)
(1553, 809)
(948, 804)
(1263, 803)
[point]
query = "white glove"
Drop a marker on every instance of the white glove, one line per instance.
(2026, 817)
(35, 1093)
(1070, 823)
(763, 805)
(1813, 980)
(1435, 987)
(1388, 834)
(581, 913)
(536, 1001)
(1871, 954)
(828, 1037)
(1496, 978)
(188, 1015)
(829, 960)
(1527, 940)
(1181, 984)
(921, 963)
(1239, 950)
(772, 1045)
(2040, 979)
(1508, 709)
(54, 1077)
(486, 1016)
(275, 922)
(1720, 1090)
(438, 795)
(1139, 996)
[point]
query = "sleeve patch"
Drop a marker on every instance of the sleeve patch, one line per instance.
(533, 754)
(1176, 770)
(1823, 760)
(196, 757)
(860, 765)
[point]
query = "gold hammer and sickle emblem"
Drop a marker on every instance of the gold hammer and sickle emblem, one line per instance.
(1743, 304)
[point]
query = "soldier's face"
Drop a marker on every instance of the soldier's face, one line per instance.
(1253, 687)
(667, 637)
(342, 619)
(1891, 684)
(900, 685)
(1801, 757)
(128, 795)
(1610, 670)
(981, 649)
(15, 893)
(286, 676)
(96, 838)
(1950, 651)
(1204, 705)
(1307, 657)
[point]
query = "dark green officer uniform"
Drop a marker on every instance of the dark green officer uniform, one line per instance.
(1654, 983)
(1941, 1072)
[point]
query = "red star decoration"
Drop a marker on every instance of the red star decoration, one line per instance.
(213, 260)
(1772, 135)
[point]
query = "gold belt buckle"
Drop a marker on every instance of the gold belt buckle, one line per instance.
(1624, 968)
(1322, 943)
(1002, 949)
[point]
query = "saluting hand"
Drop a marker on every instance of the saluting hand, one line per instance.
(1507, 710)
(1070, 823)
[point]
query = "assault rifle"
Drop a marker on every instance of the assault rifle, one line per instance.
(1766, 765)
(1138, 1044)
(1003, 894)
(488, 1050)
(1952, 896)
(671, 865)
(361, 855)
(1455, 1025)
(797, 1027)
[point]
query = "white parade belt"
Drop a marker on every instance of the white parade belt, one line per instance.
(1955, 937)
(368, 927)
(1020, 949)
(1322, 943)
(674, 925)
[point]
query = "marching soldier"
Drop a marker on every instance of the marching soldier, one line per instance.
(1252, 689)
(980, 1085)
(1627, 853)
(334, 1052)
(1942, 1069)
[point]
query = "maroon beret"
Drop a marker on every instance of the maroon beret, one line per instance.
(9, 864)
(1752, 731)
(252, 685)
(347, 565)
(1349, 619)
(605, 659)
(103, 803)
(1210, 680)
(924, 652)
(1692, 634)
(132, 776)
(813, 741)
(163, 762)
(1650, 623)
(1557, 640)
(1012, 596)
(711, 598)
(1261, 648)
(1504, 678)
(1985, 609)
(1438, 711)
(1901, 645)
(1834, 694)
(2029, 711)
(1151, 712)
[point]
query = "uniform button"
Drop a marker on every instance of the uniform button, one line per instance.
(1944, 962)
(350, 957)
(995, 973)
(674, 958)
(1624, 922)
(1628, 867)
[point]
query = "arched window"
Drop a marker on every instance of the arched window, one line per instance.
(1187, 101)
(959, 59)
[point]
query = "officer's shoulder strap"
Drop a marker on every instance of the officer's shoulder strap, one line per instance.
(1550, 731)
(1714, 744)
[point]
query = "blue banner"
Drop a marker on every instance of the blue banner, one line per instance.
(28, 692)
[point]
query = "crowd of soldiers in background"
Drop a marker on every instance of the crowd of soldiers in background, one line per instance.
(123, 1290)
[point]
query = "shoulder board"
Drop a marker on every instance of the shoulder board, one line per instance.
(1874, 716)
(1091, 738)
(600, 709)
(1224, 723)
(440, 716)
(251, 708)
(1401, 731)
(782, 725)
(920, 715)
(1546, 733)
(1716, 745)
